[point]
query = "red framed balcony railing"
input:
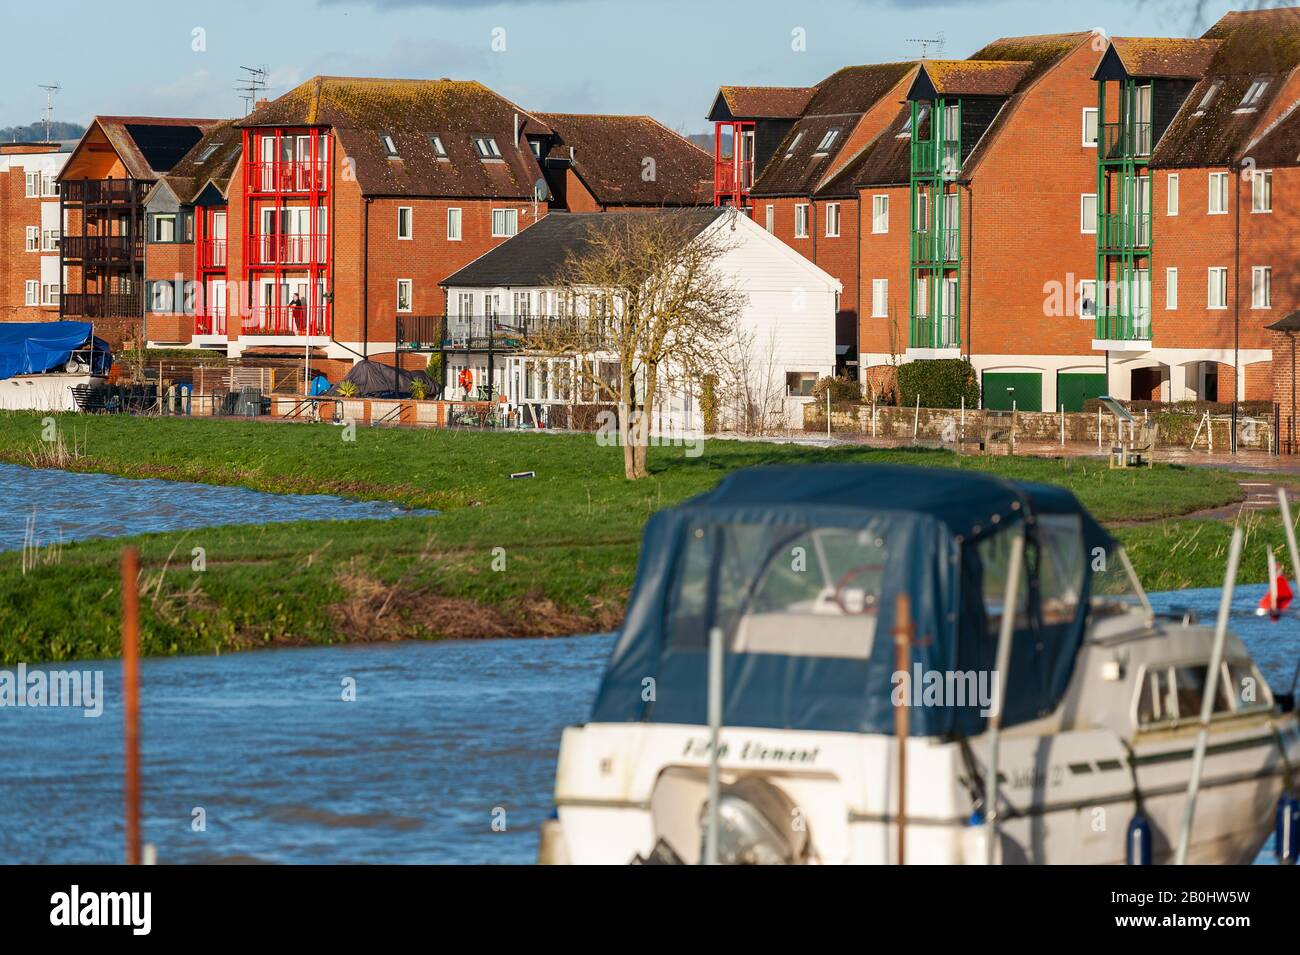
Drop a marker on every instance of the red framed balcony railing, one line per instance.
(289, 250)
(289, 176)
(212, 254)
(310, 320)
(211, 323)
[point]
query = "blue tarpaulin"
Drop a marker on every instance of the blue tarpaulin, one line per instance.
(29, 348)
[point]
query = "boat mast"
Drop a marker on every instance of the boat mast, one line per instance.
(1005, 632)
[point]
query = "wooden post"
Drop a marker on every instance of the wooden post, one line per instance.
(903, 631)
(131, 698)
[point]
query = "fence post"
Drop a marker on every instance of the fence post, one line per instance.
(1062, 425)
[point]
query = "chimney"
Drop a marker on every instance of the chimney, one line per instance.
(261, 102)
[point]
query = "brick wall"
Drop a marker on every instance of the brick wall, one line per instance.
(18, 266)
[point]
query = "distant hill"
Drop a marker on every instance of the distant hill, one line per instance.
(35, 132)
(703, 140)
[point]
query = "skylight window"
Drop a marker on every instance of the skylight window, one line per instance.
(486, 147)
(827, 141)
(390, 147)
(922, 113)
(439, 150)
(794, 144)
(1254, 94)
(1208, 98)
(207, 154)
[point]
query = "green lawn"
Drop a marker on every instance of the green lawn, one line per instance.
(570, 536)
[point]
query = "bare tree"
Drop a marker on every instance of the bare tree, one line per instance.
(645, 292)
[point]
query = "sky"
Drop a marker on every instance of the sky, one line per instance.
(665, 58)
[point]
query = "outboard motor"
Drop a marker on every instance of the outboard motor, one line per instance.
(759, 825)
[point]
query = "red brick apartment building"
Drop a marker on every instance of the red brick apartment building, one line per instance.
(30, 230)
(329, 215)
(1076, 215)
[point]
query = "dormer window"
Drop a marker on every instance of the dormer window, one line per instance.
(1253, 94)
(1208, 98)
(390, 147)
(794, 144)
(486, 147)
(827, 141)
(439, 150)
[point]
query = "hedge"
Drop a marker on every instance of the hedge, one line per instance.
(940, 383)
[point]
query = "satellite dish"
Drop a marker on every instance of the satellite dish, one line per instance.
(540, 190)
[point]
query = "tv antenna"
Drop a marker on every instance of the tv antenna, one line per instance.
(50, 90)
(925, 43)
(252, 85)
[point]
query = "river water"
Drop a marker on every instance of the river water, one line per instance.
(446, 753)
(442, 741)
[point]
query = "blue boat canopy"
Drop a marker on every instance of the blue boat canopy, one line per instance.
(801, 568)
(30, 348)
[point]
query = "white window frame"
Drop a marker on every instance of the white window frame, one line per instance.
(32, 184)
(389, 145)
(511, 217)
(880, 298)
(32, 242)
(487, 148)
(49, 185)
(1087, 224)
(827, 141)
(880, 215)
(1216, 280)
(1221, 179)
(1264, 176)
(410, 222)
(1171, 194)
(1091, 295)
(50, 239)
(454, 223)
(1171, 290)
(1261, 280)
(410, 295)
(31, 292)
(439, 150)
(49, 294)
(801, 220)
(832, 220)
(770, 218)
(1090, 112)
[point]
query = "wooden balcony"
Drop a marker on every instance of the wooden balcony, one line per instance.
(90, 192)
(102, 248)
(103, 305)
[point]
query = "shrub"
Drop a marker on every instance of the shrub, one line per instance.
(709, 403)
(843, 391)
(940, 382)
(434, 366)
(418, 389)
(347, 389)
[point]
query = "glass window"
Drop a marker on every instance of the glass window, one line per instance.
(505, 222)
(800, 383)
(794, 144)
(453, 225)
(1254, 93)
(164, 228)
(1218, 193)
(827, 141)
(1156, 703)
(1088, 213)
(1189, 687)
(880, 298)
(880, 214)
(404, 217)
(770, 215)
(403, 295)
(995, 558)
(1171, 195)
(439, 150)
(1261, 191)
(832, 220)
(1261, 287)
(1090, 126)
(801, 221)
(486, 147)
(390, 147)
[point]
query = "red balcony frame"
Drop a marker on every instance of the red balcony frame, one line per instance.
(279, 184)
(733, 176)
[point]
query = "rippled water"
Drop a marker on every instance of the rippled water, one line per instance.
(442, 739)
(70, 506)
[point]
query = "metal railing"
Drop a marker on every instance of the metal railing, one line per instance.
(1117, 231)
(1123, 325)
(289, 249)
(934, 331)
(309, 320)
(290, 176)
(1125, 140)
(212, 254)
(936, 246)
(929, 156)
(211, 323)
(497, 332)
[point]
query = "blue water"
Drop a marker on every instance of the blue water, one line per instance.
(70, 506)
(442, 738)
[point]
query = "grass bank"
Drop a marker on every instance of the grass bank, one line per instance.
(568, 538)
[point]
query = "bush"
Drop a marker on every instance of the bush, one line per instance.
(843, 391)
(709, 403)
(940, 382)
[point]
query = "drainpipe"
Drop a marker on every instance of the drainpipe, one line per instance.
(365, 281)
(857, 314)
(970, 269)
(1236, 300)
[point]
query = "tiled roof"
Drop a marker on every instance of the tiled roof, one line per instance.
(975, 77)
(536, 255)
(886, 161)
(410, 111)
(1279, 143)
(610, 154)
(1042, 51)
(766, 102)
(1262, 45)
(221, 147)
(839, 102)
(1166, 57)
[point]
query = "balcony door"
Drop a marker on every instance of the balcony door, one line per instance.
(218, 235)
(216, 306)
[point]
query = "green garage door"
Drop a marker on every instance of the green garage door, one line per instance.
(1024, 387)
(1073, 388)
